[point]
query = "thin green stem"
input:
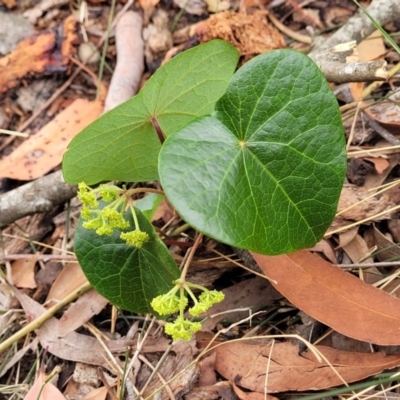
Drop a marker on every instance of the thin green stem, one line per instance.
(135, 218)
(105, 43)
(185, 269)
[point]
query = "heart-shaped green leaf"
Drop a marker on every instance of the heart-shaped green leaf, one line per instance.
(265, 171)
(129, 277)
(123, 144)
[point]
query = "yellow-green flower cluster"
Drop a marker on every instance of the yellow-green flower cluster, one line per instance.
(104, 221)
(182, 328)
(170, 303)
(135, 238)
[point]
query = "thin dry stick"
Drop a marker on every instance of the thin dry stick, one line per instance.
(388, 186)
(376, 149)
(261, 275)
(36, 242)
(369, 265)
(139, 347)
(353, 125)
(287, 31)
(162, 380)
(268, 366)
(345, 228)
(98, 335)
(13, 133)
(38, 322)
(38, 257)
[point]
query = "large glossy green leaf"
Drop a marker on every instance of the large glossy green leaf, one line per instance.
(265, 171)
(127, 276)
(123, 144)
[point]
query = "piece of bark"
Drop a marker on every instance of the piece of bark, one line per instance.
(130, 60)
(38, 196)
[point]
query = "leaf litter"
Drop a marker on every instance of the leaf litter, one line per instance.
(89, 332)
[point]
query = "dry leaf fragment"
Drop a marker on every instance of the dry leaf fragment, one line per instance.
(334, 297)
(69, 279)
(389, 251)
(23, 273)
(352, 195)
(43, 151)
(245, 297)
(247, 364)
(381, 164)
(42, 390)
(372, 47)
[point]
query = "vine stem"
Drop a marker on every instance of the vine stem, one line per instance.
(190, 258)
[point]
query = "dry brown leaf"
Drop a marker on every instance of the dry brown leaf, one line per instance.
(372, 47)
(356, 90)
(178, 368)
(43, 151)
(148, 7)
(74, 346)
(252, 294)
(391, 251)
(324, 247)
(351, 195)
(23, 273)
(207, 372)
(89, 304)
(374, 180)
(246, 364)
(346, 237)
(387, 113)
(36, 55)
(250, 34)
(381, 164)
(357, 250)
(42, 390)
(69, 279)
(334, 297)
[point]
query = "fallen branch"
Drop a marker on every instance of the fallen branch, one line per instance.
(330, 54)
(130, 60)
(37, 196)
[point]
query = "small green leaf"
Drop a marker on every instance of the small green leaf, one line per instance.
(149, 203)
(123, 144)
(127, 276)
(266, 170)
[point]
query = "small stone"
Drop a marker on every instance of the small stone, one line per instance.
(88, 53)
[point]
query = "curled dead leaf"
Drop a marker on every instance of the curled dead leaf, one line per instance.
(334, 297)
(280, 368)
